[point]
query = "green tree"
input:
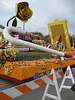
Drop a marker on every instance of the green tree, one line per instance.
(72, 37)
(71, 40)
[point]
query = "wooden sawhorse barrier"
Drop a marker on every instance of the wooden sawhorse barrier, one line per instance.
(67, 75)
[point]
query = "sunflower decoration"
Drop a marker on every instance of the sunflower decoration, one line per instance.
(23, 12)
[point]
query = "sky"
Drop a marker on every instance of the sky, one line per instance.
(44, 12)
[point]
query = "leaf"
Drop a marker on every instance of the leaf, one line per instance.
(2, 27)
(14, 23)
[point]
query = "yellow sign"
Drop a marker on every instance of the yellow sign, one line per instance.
(59, 32)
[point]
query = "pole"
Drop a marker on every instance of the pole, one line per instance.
(23, 26)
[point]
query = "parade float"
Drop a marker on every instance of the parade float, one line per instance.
(24, 71)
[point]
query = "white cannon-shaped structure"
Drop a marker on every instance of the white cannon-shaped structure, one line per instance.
(28, 44)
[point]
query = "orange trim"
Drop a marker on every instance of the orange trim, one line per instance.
(72, 71)
(23, 88)
(40, 82)
(66, 74)
(51, 77)
(61, 73)
(4, 96)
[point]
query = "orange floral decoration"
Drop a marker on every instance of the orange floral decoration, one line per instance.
(9, 66)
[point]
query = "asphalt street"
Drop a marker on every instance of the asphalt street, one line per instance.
(37, 94)
(66, 94)
(5, 84)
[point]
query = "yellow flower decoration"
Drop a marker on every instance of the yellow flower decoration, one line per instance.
(23, 12)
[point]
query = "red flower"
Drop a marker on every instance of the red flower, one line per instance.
(8, 55)
(2, 50)
(7, 52)
(3, 61)
(3, 56)
(12, 56)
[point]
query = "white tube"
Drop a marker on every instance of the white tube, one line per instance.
(25, 43)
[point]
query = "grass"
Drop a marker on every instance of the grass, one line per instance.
(32, 56)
